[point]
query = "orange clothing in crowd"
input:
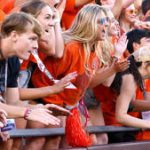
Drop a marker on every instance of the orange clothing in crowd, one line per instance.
(143, 135)
(2, 15)
(73, 60)
(107, 98)
(7, 5)
(69, 13)
(5, 8)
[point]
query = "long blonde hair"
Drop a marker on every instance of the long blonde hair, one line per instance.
(84, 28)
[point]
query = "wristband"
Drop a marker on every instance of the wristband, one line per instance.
(27, 113)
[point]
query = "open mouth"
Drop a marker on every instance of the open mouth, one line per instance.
(103, 31)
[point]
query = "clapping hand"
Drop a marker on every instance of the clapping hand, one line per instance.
(121, 46)
(120, 65)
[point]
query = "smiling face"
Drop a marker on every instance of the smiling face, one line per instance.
(46, 17)
(130, 14)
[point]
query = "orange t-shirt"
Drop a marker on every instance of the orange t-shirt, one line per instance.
(69, 13)
(73, 60)
(2, 15)
(7, 5)
(143, 135)
(107, 98)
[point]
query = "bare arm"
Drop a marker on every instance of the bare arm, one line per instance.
(36, 114)
(106, 75)
(35, 93)
(109, 81)
(13, 96)
(128, 90)
(101, 76)
(142, 105)
(119, 5)
(117, 8)
(59, 41)
(79, 3)
(13, 111)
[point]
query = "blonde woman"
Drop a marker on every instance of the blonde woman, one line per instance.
(80, 55)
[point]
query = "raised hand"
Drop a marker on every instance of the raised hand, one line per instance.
(63, 83)
(142, 24)
(61, 7)
(121, 46)
(56, 16)
(57, 110)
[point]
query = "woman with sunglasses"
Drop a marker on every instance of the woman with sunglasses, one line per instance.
(81, 55)
(128, 17)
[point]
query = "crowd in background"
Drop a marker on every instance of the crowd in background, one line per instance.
(72, 64)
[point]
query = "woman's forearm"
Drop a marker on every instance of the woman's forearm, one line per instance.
(59, 44)
(128, 120)
(101, 75)
(35, 93)
(140, 105)
(13, 111)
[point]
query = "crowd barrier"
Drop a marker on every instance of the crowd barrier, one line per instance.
(142, 145)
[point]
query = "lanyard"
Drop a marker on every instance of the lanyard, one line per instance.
(43, 68)
(41, 65)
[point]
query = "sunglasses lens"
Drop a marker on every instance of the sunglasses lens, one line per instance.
(103, 21)
(133, 11)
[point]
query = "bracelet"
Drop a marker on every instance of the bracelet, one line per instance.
(27, 113)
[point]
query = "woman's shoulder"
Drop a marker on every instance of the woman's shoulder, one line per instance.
(128, 81)
(73, 43)
(128, 77)
(73, 46)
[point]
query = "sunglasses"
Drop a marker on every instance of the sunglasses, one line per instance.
(103, 21)
(133, 11)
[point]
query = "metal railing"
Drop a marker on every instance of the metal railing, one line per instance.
(24, 133)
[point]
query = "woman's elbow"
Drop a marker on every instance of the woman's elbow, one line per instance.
(120, 119)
